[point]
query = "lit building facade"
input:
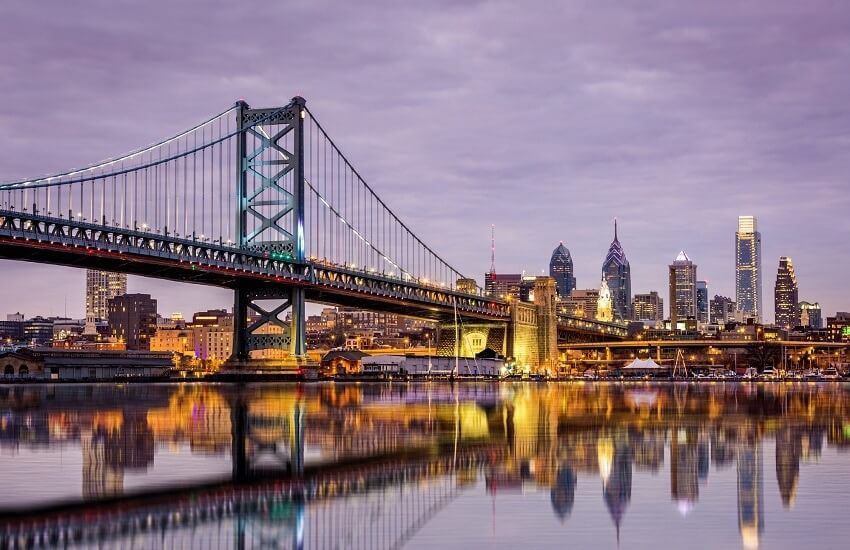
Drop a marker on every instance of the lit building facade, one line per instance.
(561, 269)
(648, 307)
(102, 286)
(683, 289)
(618, 274)
(581, 303)
(502, 285)
(748, 268)
(214, 343)
(467, 286)
(702, 302)
(604, 304)
(174, 340)
(722, 309)
(785, 295)
(810, 315)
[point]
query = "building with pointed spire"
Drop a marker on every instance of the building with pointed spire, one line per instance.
(785, 295)
(618, 275)
(604, 304)
(683, 289)
(561, 269)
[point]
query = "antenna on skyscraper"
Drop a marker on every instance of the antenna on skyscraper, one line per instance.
(493, 248)
(615, 228)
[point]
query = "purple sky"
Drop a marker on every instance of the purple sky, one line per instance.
(546, 118)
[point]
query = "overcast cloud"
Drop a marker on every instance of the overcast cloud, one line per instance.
(546, 118)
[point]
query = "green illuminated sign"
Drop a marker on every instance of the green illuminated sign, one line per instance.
(845, 331)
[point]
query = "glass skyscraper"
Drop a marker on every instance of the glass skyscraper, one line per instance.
(561, 269)
(618, 274)
(702, 302)
(748, 268)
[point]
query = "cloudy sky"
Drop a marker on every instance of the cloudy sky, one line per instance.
(548, 119)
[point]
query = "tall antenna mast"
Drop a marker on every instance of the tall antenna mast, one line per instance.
(493, 248)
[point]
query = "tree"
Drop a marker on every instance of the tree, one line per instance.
(762, 355)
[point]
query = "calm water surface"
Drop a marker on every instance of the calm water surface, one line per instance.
(426, 465)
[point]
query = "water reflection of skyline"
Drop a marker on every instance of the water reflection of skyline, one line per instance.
(550, 436)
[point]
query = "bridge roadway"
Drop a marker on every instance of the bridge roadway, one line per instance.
(49, 240)
(382, 504)
(75, 243)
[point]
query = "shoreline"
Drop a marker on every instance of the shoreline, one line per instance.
(293, 379)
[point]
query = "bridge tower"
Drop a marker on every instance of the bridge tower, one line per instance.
(270, 220)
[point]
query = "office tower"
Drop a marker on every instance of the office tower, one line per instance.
(748, 268)
(618, 275)
(722, 309)
(810, 315)
(132, 319)
(101, 286)
(702, 302)
(683, 289)
(648, 307)
(561, 269)
(785, 295)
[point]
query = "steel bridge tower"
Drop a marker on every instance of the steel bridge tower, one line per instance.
(270, 192)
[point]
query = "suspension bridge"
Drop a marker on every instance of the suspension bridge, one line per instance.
(261, 201)
(258, 200)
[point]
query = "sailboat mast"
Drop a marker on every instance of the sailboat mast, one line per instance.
(457, 341)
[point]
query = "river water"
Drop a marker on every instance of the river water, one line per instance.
(426, 465)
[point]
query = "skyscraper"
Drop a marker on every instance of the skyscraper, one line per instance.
(102, 286)
(748, 268)
(702, 301)
(785, 295)
(561, 269)
(683, 289)
(618, 274)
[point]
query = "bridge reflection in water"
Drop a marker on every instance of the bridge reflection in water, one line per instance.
(369, 466)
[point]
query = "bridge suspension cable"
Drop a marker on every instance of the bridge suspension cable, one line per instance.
(186, 188)
(352, 222)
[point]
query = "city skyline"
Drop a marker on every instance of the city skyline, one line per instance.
(608, 124)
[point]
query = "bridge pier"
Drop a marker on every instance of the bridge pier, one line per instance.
(258, 327)
(275, 199)
(530, 338)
